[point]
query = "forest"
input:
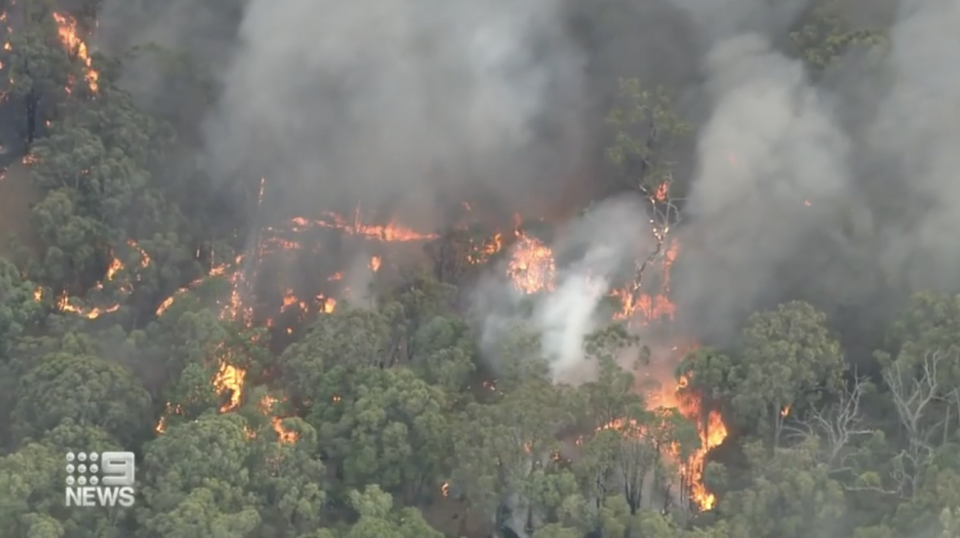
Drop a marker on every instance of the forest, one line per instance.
(529, 268)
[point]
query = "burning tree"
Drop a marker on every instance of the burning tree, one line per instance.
(646, 134)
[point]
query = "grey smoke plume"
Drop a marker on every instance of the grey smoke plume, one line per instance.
(914, 140)
(882, 190)
(407, 108)
(771, 167)
(591, 253)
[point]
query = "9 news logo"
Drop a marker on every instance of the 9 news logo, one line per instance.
(100, 479)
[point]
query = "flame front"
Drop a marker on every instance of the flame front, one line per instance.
(391, 232)
(115, 269)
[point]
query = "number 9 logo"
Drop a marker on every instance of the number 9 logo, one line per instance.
(118, 468)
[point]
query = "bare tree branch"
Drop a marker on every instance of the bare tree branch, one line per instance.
(664, 214)
(913, 389)
(837, 426)
(913, 393)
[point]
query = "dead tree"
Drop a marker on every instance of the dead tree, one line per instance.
(838, 427)
(914, 389)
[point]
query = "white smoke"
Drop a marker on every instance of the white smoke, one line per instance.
(591, 252)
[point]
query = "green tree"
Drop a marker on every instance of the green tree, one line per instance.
(393, 432)
(500, 446)
(378, 517)
(196, 477)
(85, 389)
(786, 357)
(790, 495)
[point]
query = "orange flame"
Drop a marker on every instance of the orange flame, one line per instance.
(169, 409)
(67, 30)
(391, 232)
(144, 257)
(64, 305)
(481, 253)
(229, 380)
(531, 266)
(292, 301)
(327, 304)
(712, 432)
(283, 435)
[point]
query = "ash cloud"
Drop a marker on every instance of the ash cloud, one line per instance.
(409, 109)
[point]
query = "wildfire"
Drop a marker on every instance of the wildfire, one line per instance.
(712, 432)
(712, 435)
(482, 252)
(144, 257)
(67, 30)
(291, 301)
(64, 305)
(215, 271)
(391, 232)
(266, 407)
(531, 267)
(327, 304)
(115, 266)
(169, 410)
(229, 380)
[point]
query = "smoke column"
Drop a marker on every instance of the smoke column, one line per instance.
(407, 108)
(838, 193)
(914, 140)
(771, 165)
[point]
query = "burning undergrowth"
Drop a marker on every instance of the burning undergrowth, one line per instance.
(575, 272)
